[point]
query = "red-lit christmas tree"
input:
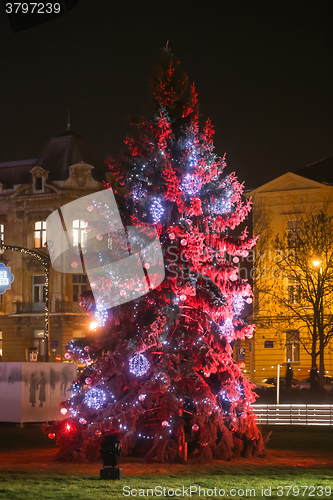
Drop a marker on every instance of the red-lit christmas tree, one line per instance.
(161, 371)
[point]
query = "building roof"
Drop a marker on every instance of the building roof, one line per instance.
(16, 172)
(59, 153)
(320, 171)
(67, 149)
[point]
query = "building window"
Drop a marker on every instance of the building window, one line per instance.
(38, 288)
(1, 343)
(293, 232)
(39, 342)
(80, 285)
(40, 234)
(292, 346)
(2, 233)
(293, 291)
(80, 234)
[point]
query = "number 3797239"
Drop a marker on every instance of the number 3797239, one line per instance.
(32, 8)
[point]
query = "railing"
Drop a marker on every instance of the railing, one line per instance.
(294, 414)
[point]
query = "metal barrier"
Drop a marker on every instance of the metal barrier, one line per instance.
(293, 414)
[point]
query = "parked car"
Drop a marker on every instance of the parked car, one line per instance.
(271, 383)
(305, 383)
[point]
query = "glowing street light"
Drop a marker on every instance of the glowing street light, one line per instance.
(93, 325)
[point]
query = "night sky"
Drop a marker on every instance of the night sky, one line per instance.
(263, 72)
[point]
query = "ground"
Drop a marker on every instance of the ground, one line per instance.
(296, 457)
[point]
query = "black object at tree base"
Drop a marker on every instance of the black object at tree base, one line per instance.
(110, 473)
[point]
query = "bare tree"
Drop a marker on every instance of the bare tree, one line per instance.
(294, 283)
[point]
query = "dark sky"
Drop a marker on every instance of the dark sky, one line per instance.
(263, 72)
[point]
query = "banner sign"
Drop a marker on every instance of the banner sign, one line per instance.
(6, 278)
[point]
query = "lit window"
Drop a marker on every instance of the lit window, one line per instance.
(80, 285)
(293, 232)
(38, 288)
(80, 234)
(40, 234)
(39, 342)
(2, 233)
(292, 346)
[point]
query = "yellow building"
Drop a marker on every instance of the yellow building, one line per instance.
(277, 209)
(30, 191)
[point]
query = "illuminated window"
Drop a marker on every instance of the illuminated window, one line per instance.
(2, 233)
(293, 232)
(80, 234)
(80, 285)
(292, 346)
(40, 234)
(39, 342)
(38, 288)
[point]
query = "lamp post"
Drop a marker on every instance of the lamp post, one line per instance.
(319, 316)
(46, 263)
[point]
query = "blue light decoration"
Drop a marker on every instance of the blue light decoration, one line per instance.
(94, 398)
(238, 304)
(6, 278)
(139, 365)
(191, 184)
(156, 210)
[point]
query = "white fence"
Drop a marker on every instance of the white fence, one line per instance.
(294, 414)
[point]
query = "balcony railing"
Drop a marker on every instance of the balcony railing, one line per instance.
(294, 414)
(55, 307)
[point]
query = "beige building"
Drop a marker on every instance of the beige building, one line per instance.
(31, 190)
(277, 209)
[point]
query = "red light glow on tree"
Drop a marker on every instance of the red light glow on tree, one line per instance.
(173, 345)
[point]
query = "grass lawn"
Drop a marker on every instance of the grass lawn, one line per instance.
(296, 457)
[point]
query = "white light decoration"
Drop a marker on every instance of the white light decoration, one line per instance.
(238, 304)
(101, 314)
(191, 184)
(220, 206)
(156, 210)
(227, 329)
(139, 365)
(95, 398)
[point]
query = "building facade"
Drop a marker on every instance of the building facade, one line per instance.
(278, 207)
(30, 191)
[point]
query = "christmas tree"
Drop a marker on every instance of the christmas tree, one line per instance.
(159, 369)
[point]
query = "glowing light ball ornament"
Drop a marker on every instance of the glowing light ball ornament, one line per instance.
(98, 433)
(63, 411)
(67, 355)
(88, 380)
(165, 423)
(90, 208)
(191, 184)
(142, 397)
(74, 265)
(183, 242)
(195, 427)
(139, 365)
(51, 435)
(156, 210)
(82, 421)
(94, 398)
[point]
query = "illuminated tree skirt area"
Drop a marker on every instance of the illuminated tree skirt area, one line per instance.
(296, 457)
